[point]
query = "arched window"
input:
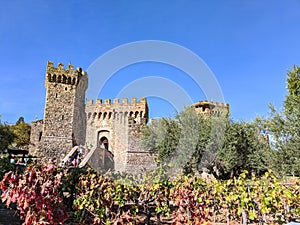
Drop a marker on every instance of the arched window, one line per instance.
(64, 79)
(125, 117)
(54, 78)
(136, 114)
(131, 114)
(69, 80)
(40, 135)
(59, 79)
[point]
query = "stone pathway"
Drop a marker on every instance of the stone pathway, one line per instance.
(7, 216)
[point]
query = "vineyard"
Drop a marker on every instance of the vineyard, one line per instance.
(51, 195)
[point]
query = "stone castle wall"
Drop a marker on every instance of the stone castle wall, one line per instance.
(120, 122)
(110, 129)
(79, 118)
(113, 129)
(35, 137)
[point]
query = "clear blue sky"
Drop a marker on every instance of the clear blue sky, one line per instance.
(249, 45)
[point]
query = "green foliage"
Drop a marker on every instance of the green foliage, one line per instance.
(17, 135)
(243, 149)
(291, 147)
(20, 120)
(22, 133)
(191, 143)
(210, 141)
(183, 200)
(178, 142)
(6, 137)
(284, 127)
(188, 200)
(161, 137)
(265, 199)
(102, 201)
(190, 128)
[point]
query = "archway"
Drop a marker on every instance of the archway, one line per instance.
(105, 157)
(103, 142)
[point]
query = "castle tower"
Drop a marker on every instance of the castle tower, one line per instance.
(207, 109)
(64, 123)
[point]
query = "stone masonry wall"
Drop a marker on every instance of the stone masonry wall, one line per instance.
(79, 118)
(118, 122)
(207, 108)
(64, 115)
(35, 137)
(139, 162)
(115, 126)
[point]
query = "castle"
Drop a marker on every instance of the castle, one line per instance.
(112, 127)
(68, 121)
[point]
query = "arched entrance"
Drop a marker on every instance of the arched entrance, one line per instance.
(103, 142)
(105, 157)
(103, 139)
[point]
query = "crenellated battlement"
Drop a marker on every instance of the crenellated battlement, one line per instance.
(117, 109)
(63, 75)
(116, 102)
(212, 104)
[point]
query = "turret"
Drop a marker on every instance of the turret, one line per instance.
(208, 108)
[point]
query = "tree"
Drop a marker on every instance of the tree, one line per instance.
(244, 148)
(6, 137)
(22, 133)
(289, 144)
(191, 143)
(20, 120)
(182, 142)
(290, 151)
(161, 137)
(284, 127)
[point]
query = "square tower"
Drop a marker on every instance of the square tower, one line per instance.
(64, 123)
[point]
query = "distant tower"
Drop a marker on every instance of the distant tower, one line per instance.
(207, 109)
(64, 123)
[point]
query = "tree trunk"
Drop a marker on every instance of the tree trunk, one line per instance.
(244, 217)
